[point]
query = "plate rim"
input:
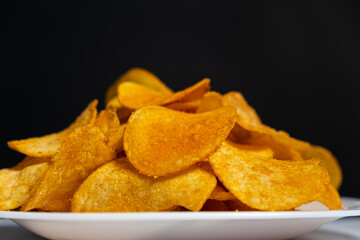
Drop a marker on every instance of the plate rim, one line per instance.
(176, 216)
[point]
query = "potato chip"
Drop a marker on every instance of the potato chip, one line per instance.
(135, 96)
(281, 152)
(119, 187)
(189, 107)
(107, 121)
(47, 145)
(269, 184)
(221, 194)
(210, 101)
(214, 100)
(159, 141)
(113, 103)
(262, 151)
(109, 124)
(328, 160)
(80, 154)
(250, 121)
(16, 186)
(247, 114)
(214, 206)
(140, 76)
(28, 161)
(330, 198)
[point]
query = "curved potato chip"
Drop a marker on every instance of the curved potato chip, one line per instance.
(248, 115)
(214, 206)
(28, 161)
(47, 145)
(330, 197)
(250, 121)
(247, 121)
(118, 187)
(107, 121)
(140, 76)
(80, 154)
(214, 100)
(262, 151)
(269, 184)
(113, 103)
(16, 186)
(189, 107)
(328, 160)
(210, 101)
(135, 96)
(281, 152)
(109, 124)
(220, 193)
(159, 141)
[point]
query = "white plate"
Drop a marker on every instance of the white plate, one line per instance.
(179, 225)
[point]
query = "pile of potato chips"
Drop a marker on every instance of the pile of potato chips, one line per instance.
(152, 149)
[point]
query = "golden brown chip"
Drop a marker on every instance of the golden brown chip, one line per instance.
(221, 194)
(47, 145)
(328, 160)
(135, 96)
(189, 107)
(281, 152)
(140, 76)
(109, 124)
(80, 154)
(269, 184)
(330, 197)
(119, 187)
(16, 186)
(246, 114)
(214, 206)
(262, 151)
(159, 141)
(113, 103)
(28, 161)
(248, 119)
(210, 101)
(247, 122)
(107, 121)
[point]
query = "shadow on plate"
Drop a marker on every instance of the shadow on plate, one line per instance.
(9, 230)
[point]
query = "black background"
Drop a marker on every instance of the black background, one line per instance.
(297, 63)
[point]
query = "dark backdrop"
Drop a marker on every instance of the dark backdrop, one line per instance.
(297, 63)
